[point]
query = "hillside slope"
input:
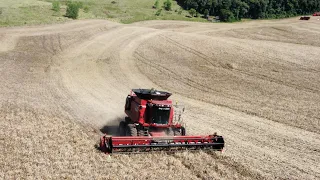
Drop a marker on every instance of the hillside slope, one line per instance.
(256, 83)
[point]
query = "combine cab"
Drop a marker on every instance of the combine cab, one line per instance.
(153, 123)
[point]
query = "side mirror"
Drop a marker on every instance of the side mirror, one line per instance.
(128, 103)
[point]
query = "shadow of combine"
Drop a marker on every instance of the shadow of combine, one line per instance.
(112, 127)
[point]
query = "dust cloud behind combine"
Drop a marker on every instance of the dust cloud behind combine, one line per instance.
(256, 83)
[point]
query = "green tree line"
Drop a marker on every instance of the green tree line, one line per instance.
(234, 10)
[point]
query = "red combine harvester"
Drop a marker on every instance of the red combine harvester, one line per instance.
(316, 14)
(153, 123)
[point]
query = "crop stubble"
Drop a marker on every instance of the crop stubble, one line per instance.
(256, 83)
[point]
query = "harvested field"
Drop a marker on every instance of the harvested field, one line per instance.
(256, 83)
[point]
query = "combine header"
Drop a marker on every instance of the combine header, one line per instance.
(153, 123)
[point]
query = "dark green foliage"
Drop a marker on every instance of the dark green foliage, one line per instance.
(192, 12)
(158, 13)
(86, 9)
(206, 13)
(73, 10)
(167, 5)
(56, 6)
(226, 15)
(156, 4)
(233, 10)
(79, 4)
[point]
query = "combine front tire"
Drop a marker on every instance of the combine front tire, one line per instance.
(132, 130)
(177, 132)
(141, 132)
(180, 132)
(170, 132)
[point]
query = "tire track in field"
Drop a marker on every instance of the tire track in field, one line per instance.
(200, 87)
(193, 51)
(185, 80)
(249, 74)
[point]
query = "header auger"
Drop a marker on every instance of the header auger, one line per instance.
(153, 123)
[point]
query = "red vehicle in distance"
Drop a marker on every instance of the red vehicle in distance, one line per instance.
(316, 14)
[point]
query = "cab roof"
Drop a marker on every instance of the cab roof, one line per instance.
(153, 94)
